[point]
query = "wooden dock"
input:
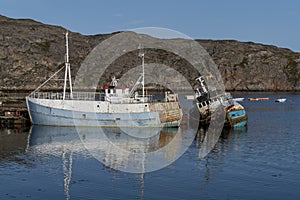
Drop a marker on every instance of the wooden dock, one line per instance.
(13, 117)
(13, 121)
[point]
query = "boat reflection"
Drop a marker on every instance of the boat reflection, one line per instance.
(114, 147)
(229, 140)
(117, 148)
(209, 140)
(53, 140)
(228, 133)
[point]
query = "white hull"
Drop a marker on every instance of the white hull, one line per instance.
(102, 113)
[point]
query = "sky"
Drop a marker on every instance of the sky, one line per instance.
(262, 21)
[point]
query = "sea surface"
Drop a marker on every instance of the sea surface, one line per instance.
(261, 161)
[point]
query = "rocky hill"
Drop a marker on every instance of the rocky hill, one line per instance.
(255, 67)
(31, 51)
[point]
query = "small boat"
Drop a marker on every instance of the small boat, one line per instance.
(114, 107)
(259, 99)
(190, 97)
(235, 116)
(280, 100)
(238, 99)
(235, 113)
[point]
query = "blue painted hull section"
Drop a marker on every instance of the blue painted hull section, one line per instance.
(42, 115)
(237, 118)
(240, 124)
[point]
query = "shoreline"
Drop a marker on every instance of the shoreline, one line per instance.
(28, 91)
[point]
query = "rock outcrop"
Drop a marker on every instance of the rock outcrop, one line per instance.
(255, 67)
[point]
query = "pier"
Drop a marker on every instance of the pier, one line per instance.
(13, 116)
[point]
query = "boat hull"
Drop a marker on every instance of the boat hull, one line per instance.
(236, 116)
(57, 114)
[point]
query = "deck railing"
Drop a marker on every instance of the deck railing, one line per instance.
(88, 96)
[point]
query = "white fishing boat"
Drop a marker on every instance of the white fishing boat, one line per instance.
(115, 107)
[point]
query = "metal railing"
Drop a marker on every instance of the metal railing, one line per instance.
(87, 96)
(90, 96)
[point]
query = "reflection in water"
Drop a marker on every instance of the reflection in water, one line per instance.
(57, 141)
(67, 170)
(227, 133)
(12, 142)
(212, 133)
(205, 138)
(119, 150)
(65, 141)
(114, 147)
(221, 147)
(52, 140)
(262, 157)
(67, 145)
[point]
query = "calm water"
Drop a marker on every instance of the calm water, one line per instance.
(261, 161)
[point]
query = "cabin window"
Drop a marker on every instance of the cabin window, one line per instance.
(146, 105)
(98, 106)
(84, 116)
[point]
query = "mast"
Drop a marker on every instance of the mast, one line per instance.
(142, 55)
(67, 71)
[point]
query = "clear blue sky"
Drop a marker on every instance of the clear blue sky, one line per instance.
(263, 21)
